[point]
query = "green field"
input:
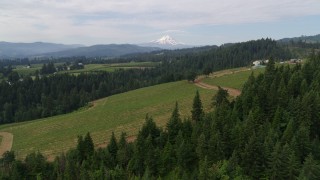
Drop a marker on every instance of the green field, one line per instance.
(112, 67)
(23, 70)
(119, 113)
(232, 79)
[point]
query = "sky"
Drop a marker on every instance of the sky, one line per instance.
(194, 22)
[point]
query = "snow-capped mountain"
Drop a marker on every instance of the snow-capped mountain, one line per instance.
(166, 42)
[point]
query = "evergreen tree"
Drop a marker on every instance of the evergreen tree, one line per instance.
(252, 159)
(113, 146)
(174, 124)
(201, 148)
(288, 134)
(269, 72)
(191, 76)
(136, 164)
(81, 148)
(197, 111)
(151, 157)
(220, 97)
(301, 143)
(276, 163)
(292, 165)
(123, 153)
(186, 156)
(168, 159)
(207, 70)
(150, 128)
(215, 148)
(89, 146)
(310, 169)
(204, 172)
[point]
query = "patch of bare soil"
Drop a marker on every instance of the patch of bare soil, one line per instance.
(131, 138)
(231, 91)
(6, 143)
(226, 72)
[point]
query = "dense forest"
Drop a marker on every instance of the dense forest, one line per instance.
(24, 98)
(28, 99)
(271, 131)
(300, 49)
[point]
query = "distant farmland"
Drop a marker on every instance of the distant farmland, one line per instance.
(24, 70)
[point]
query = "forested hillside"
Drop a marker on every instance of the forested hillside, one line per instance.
(306, 39)
(58, 94)
(26, 98)
(271, 131)
(218, 58)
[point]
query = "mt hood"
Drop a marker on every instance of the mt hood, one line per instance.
(166, 42)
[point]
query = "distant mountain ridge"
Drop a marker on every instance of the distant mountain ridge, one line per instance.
(10, 50)
(306, 39)
(109, 50)
(21, 50)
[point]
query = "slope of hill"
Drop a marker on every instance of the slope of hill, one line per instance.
(119, 113)
(233, 78)
(301, 47)
(110, 50)
(21, 50)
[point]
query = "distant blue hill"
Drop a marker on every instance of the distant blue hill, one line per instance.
(110, 50)
(40, 49)
(21, 50)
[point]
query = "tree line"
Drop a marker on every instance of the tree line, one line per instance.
(271, 131)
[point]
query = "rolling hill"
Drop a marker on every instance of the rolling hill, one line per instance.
(119, 113)
(110, 50)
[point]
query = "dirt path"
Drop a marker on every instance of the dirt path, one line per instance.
(227, 72)
(231, 91)
(6, 143)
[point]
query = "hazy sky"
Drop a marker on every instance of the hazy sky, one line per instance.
(198, 22)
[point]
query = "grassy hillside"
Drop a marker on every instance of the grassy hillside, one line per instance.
(232, 78)
(123, 112)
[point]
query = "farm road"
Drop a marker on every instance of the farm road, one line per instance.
(231, 91)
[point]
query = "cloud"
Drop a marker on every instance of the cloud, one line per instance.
(80, 20)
